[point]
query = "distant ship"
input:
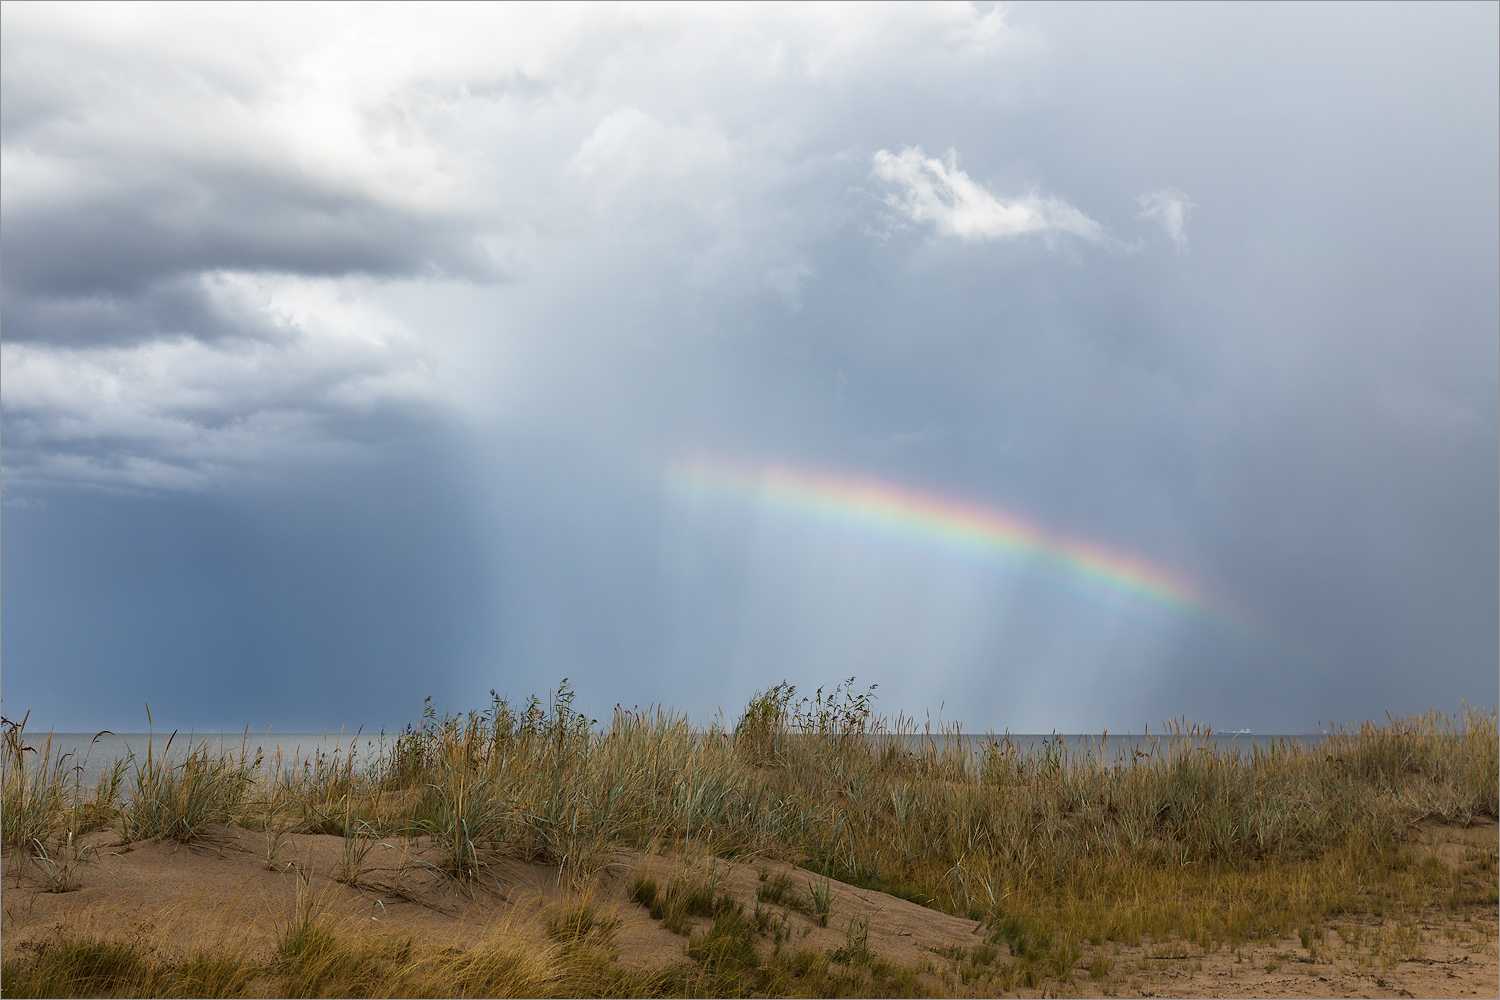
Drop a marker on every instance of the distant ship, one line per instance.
(1241, 732)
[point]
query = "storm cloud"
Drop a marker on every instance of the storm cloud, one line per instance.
(354, 348)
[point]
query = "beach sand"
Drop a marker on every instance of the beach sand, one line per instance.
(228, 891)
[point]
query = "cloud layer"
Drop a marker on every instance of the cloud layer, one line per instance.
(303, 373)
(164, 203)
(350, 346)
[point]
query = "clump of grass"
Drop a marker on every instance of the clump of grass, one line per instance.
(776, 889)
(760, 735)
(688, 894)
(815, 901)
(1027, 941)
(644, 891)
(467, 821)
(729, 945)
(1064, 957)
(856, 949)
(325, 961)
(62, 867)
(358, 842)
(97, 810)
(580, 923)
(819, 899)
(71, 965)
(313, 959)
(277, 826)
(33, 788)
(304, 937)
(41, 795)
(178, 801)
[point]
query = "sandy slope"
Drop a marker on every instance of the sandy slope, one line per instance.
(226, 889)
(182, 897)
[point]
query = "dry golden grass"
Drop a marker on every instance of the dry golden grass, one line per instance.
(1056, 851)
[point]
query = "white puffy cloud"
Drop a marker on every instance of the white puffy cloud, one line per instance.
(1168, 208)
(930, 190)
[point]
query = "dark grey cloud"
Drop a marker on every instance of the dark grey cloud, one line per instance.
(122, 242)
(1214, 286)
(176, 307)
(187, 233)
(251, 374)
(133, 161)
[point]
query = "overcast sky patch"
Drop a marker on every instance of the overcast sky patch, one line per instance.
(350, 348)
(1169, 208)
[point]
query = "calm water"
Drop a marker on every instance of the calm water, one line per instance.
(92, 757)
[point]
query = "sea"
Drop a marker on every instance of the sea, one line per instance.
(90, 756)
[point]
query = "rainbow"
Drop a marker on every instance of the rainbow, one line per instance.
(883, 507)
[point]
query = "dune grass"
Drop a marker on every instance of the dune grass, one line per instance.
(327, 963)
(1050, 849)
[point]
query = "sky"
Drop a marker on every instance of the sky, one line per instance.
(1054, 367)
